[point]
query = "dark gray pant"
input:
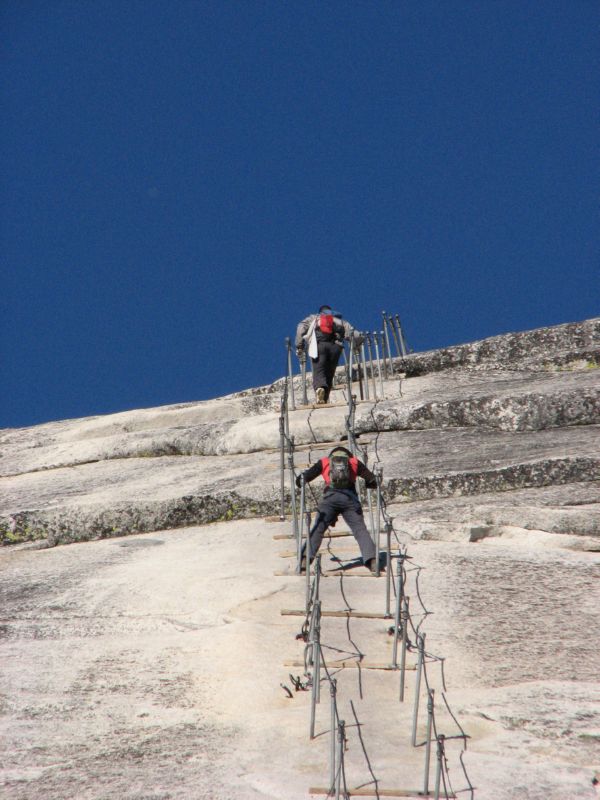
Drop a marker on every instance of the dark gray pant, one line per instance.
(331, 506)
(325, 365)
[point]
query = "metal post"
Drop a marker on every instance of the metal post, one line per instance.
(307, 555)
(288, 343)
(387, 342)
(374, 531)
(399, 596)
(394, 335)
(401, 335)
(421, 646)
(351, 360)
(430, 694)
(440, 758)
(293, 489)
(378, 522)
(363, 356)
(383, 358)
(332, 694)
(340, 758)
(316, 671)
(404, 646)
(303, 372)
(372, 363)
(282, 460)
(301, 528)
(388, 572)
(359, 374)
(317, 583)
(376, 343)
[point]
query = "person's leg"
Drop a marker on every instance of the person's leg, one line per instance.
(326, 516)
(333, 353)
(353, 516)
(319, 372)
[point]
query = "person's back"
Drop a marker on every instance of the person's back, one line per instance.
(322, 336)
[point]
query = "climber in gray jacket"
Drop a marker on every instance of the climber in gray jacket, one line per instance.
(322, 336)
(339, 470)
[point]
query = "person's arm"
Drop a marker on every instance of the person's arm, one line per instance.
(301, 331)
(369, 478)
(349, 330)
(311, 473)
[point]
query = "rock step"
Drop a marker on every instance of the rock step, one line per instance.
(517, 403)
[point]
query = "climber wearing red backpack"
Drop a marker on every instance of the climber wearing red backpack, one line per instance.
(322, 337)
(340, 470)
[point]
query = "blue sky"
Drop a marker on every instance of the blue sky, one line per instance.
(183, 181)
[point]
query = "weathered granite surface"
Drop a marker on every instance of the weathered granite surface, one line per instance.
(151, 666)
(539, 349)
(448, 433)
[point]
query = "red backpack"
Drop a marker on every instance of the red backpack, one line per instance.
(326, 323)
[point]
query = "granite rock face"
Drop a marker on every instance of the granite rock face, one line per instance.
(151, 665)
(475, 420)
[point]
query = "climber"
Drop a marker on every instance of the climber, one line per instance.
(340, 470)
(322, 336)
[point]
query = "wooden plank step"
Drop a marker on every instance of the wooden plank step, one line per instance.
(364, 792)
(353, 664)
(297, 612)
(329, 534)
(318, 445)
(347, 573)
(339, 548)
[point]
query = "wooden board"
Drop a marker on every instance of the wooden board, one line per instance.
(296, 612)
(364, 792)
(332, 573)
(338, 549)
(329, 534)
(353, 664)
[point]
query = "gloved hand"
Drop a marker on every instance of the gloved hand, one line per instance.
(299, 479)
(300, 351)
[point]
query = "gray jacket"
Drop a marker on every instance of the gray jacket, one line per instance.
(341, 329)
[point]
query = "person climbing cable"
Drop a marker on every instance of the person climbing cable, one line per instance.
(340, 470)
(322, 336)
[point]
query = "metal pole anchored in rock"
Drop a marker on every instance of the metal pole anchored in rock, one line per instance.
(404, 646)
(397, 614)
(430, 695)
(401, 335)
(378, 474)
(333, 696)
(387, 342)
(420, 658)
(359, 371)
(282, 460)
(379, 370)
(307, 557)
(440, 759)
(383, 358)
(301, 527)
(372, 363)
(293, 488)
(316, 672)
(351, 360)
(303, 372)
(288, 343)
(364, 368)
(388, 571)
(394, 335)
(340, 757)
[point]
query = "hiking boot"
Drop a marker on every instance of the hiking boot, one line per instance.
(371, 565)
(321, 396)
